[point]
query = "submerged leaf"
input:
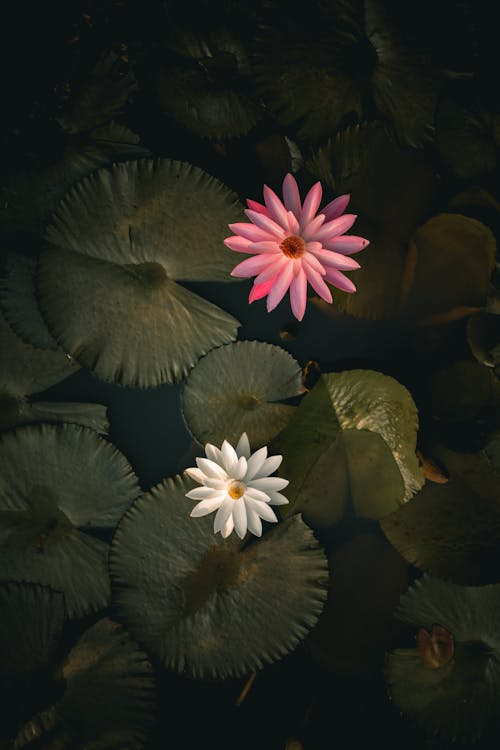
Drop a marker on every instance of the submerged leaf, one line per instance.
(207, 606)
(119, 260)
(237, 388)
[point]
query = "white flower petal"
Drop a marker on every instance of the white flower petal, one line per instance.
(211, 469)
(277, 498)
(254, 522)
(207, 506)
(255, 462)
(269, 483)
(229, 457)
(228, 527)
(200, 493)
(216, 484)
(213, 453)
(243, 447)
(256, 495)
(263, 510)
(240, 517)
(223, 513)
(196, 474)
(268, 467)
(240, 469)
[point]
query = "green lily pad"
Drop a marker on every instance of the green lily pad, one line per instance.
(459, 700)
(108, 699)
(118, 259)
(320, 443)
(364, 161)
(463, 391)
(50, 505)
(207, 606)
(454, 260)
(356, 625)
(338, 64)
(30, 627)
(452, 530)
(237, 388)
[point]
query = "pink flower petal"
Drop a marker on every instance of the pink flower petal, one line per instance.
(252, 266)
(277, 210)
(311, 230)
(312, 261)
(330, 259)
(298, 295)
(272, 269)
(259, 207)
(260, 290)
(264, 222)
(333, 228)
(280, 287)
(348, 244)
(337, 278)
(318, 284)
(336, 208)
(238, 244)
(291, 195)
(311, 204)
(267, 246)
(293, 224)
(249, 231)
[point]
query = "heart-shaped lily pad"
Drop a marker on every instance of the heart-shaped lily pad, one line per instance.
(207, 606)
(238, 388)
(50, 504)
(121, 241)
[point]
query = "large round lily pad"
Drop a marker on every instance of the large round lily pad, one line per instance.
(328, 463)
(207, 606)
(108, 698)
(50, 503)
(238, 388)
(121, 240)
(452, 530)
(456, 694)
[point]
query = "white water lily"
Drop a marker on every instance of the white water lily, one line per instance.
(236, 484)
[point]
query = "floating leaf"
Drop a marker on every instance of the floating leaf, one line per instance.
(50, 504)
(366, 163)
(327, 464)
(458, 698)
(453, 530)
(108, 699)
(454, 261)
(30, 627)
(339, 63)
(237, 388)
(121, 240)
(207, 606)
(355, 627)
(463, 391)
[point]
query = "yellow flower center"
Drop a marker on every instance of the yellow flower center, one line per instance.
(236, 490)
(293, 246)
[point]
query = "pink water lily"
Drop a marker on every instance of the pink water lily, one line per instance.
(293, 245)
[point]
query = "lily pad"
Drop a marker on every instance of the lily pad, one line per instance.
(452, 530)
(238, 388)
(30, 627)
(121, 240)
(365, 162)
(50, 505)
(454, 260)
(459, 699)
(463, 391)
(338, 64)
(320, 443)
(207, 606)
(108, 699)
